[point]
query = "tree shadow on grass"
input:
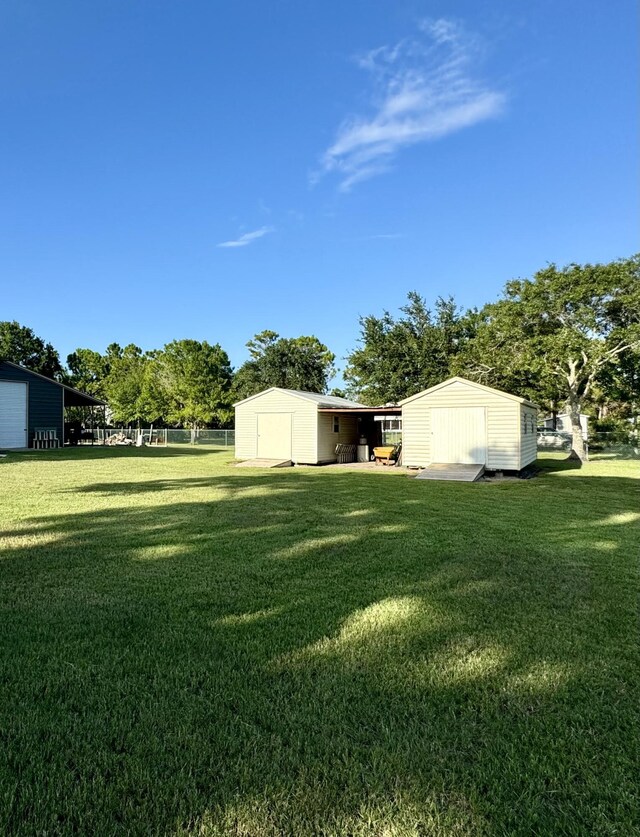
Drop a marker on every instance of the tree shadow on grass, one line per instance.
(296, 653)
(549, 465)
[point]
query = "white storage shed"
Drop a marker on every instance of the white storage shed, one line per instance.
(286, 424)
(462, 422)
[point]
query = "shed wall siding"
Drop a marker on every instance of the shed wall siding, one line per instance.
(416, 433)
(303, 425)
(246, 433)
(44, 401)
(327, 439)
(502, 417)
(529, 440)
(503, 436)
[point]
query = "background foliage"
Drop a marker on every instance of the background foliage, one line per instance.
(567, 337)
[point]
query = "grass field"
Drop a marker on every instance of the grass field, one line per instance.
(190, 648)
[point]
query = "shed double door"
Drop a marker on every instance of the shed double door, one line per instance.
(274, 436)
(13, 414)
(459, 435)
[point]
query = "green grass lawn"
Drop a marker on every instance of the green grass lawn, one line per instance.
(190, 648)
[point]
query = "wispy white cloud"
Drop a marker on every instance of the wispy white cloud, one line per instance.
(423, 89)
(247, 238)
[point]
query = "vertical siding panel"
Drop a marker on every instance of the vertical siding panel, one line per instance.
(459, 434)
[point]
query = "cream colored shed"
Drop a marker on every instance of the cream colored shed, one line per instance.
(287, 424)
(460, 421)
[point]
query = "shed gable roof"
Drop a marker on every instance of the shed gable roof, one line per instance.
(482, 387)
(316, 397)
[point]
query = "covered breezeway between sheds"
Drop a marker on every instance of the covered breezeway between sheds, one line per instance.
(303, 428)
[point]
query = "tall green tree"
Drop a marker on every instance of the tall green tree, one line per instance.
(19, 344)
(302, 363)
(124, 385)
(561, 331)
(88, 371)
(398, 357)
(190, 382)
(619, 388)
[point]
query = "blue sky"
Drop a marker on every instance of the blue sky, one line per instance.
(208, 170)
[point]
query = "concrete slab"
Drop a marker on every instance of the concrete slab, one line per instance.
(375, 467)
(449, 471)
(265, 463)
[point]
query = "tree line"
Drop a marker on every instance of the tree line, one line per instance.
(187, 383)
(567, 338)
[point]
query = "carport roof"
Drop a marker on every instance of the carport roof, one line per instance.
(72, 397)
(390, 409)
(76, 398)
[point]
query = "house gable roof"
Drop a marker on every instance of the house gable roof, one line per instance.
(482, 387)
(316, 397)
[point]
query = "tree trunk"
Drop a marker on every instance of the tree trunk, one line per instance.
(578, 450)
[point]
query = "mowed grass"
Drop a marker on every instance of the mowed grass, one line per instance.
(191, 648)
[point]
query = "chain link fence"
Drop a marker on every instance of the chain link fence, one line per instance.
(165, 436)
(618, 444)
(210, 438)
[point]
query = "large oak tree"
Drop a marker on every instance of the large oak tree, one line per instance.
(557, 334)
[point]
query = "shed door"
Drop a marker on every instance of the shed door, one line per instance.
(13, 414)
(274, 435)
(459, 435)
